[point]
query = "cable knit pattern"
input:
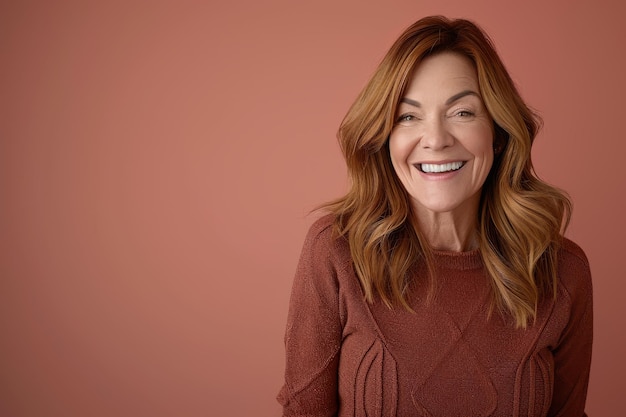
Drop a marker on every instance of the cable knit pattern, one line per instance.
(346, 357)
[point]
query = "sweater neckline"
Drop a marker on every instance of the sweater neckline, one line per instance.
(458, 260)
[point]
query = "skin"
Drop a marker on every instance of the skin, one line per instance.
(442, 119)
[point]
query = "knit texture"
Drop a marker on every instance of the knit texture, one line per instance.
(347, 357)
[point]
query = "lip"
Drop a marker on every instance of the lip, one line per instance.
(439, 175)
(418, 165)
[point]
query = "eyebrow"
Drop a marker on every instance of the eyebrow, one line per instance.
(449, 101)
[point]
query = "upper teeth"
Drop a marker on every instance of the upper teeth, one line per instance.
(452, 166)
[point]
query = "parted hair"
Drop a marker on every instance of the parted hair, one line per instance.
(520, 218)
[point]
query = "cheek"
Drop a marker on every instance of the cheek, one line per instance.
(397, 161)
(482, 149)
(487, 157)
(486, 167)
(399, 150)
(483, 143)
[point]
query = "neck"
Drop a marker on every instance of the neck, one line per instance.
(449, 231)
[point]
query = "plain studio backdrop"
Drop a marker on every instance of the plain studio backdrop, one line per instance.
(158, 161)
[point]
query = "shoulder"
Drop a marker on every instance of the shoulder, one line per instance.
(573, 270)
(323, 232)
(323, 243)
(320, 235)
(572, 258)
(574, 253)
(322, 227)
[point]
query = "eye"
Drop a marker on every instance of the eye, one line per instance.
(464, 113)
(406, 118)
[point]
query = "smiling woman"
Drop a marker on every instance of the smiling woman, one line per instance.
(441, 283)
(442, 149)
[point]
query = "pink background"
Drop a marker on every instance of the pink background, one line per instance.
(158, 161)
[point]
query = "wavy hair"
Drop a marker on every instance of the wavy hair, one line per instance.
(520, 218)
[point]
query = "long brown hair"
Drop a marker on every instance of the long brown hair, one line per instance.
(521, 218)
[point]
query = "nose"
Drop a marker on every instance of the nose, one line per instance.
(435, 136)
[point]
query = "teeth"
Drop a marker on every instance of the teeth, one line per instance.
(452, 166)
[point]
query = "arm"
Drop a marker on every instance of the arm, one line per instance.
(313, 336)
(572, 356)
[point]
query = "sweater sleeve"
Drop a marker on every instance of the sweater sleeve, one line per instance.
(313, 335)
(572, 356)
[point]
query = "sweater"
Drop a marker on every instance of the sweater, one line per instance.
(452, 356)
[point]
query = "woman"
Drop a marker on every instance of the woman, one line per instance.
(440, 285)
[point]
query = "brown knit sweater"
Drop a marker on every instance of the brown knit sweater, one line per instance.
(346, 357)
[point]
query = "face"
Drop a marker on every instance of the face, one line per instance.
(441, 145)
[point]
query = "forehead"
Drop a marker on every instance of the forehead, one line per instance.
(442, 74)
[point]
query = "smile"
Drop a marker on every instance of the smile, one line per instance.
(438, 168)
